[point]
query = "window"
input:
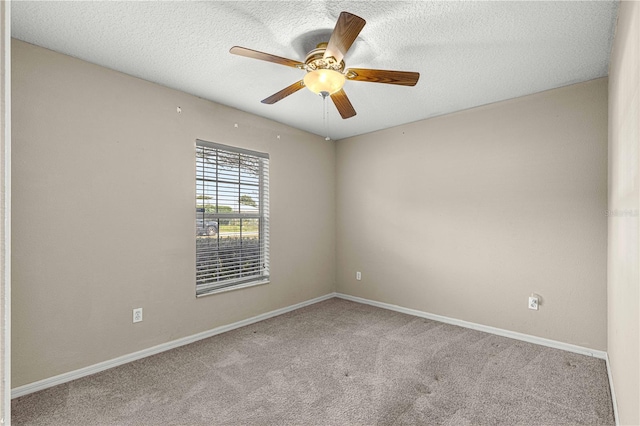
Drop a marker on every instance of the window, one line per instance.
(232, 218)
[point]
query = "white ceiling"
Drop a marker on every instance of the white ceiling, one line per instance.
(467, 53)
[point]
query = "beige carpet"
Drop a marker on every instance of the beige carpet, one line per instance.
(337, 363)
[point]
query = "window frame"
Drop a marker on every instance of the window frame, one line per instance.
(237, 282)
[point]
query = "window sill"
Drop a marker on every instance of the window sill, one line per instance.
(232, 288)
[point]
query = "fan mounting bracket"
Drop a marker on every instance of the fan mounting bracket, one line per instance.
(351, 74)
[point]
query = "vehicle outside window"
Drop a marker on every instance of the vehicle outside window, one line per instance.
(207, 227)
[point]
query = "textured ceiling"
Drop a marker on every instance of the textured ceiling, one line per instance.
(468, 53)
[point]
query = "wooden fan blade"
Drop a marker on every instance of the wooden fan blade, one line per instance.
(249, 53)
(343, 104)
(344, 34)
(284, 93)
(403, 78)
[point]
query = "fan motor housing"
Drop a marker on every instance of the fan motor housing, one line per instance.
(315, 60)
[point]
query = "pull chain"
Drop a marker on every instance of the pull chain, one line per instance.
(325, 115)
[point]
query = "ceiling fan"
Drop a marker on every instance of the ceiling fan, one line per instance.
(326, 73)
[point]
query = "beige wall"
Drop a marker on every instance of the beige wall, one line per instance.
(624, 203)
(5, 212)
(103, 207)
(467, 214)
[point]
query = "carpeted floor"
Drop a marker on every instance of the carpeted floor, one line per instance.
(337, 363)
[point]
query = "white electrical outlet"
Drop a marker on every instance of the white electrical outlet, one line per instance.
(358, 276)
(137, 315)
(533, 303)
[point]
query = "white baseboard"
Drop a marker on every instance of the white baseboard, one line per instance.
(96, 368)
(487, 329)
(613, 393)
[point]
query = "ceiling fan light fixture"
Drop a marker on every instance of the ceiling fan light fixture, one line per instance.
(326, 72)
(323, 80)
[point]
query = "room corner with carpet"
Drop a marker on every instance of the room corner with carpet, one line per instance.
(337, 362)
(397, 256)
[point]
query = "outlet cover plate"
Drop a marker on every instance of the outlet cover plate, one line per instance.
(137, 315)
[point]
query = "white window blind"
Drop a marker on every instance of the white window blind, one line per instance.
(232, 217)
